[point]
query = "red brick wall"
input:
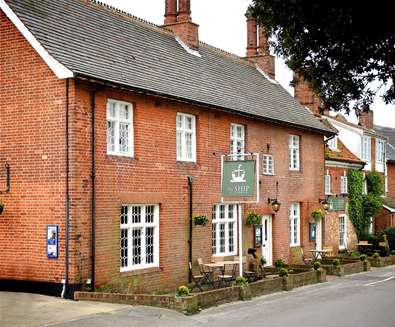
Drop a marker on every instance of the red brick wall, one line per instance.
(36, 153)
(32, 142)
(391, 180)
(383, 220)
(154, 176)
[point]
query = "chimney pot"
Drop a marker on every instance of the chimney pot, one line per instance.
(184, 11)
(251, 36)
(170, 11)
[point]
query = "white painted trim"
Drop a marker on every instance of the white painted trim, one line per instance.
(188, 49)
(271, 80)
(58, 69)
(392, 210)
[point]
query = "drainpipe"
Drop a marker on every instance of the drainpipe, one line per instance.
(93, 176)
(190, 182)
(65, 282)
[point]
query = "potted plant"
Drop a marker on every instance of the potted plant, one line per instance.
(1, 206)
(253, 219)
(201, 220)
(279, 263)
(318, 214)
(182, 291)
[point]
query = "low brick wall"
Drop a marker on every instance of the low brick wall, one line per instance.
(382, 261)
(216, 297)
(266, 286)
(344, 269)
(195, 302)
(184, 304)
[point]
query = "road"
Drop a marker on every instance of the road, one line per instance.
(360, 300)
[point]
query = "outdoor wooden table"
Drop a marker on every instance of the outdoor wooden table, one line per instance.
(219, 265)
(318, 254)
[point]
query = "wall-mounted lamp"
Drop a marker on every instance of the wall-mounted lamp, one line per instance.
(325, 204)
(274, 202)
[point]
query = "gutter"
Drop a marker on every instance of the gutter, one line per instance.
(325, 132)
(93, 176)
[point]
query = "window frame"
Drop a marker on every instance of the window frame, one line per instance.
(183, 156)
(235, 155)
(380, 144)
(328, 183)
(117, 120)
(344, 245)
(332, 143)
(294, 152)
(292, 220)
(366, 148)
(130, 226)
(344, 184)
(265, 164)
(216, 221)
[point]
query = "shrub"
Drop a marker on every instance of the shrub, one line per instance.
(317, 265)
(362, 257)
(356, 254)
(182, 291)
(336, 262)
(241, 281)
(200, 220)
(375, 255)
(283, 272)
(279, 263)
(393, 252)
(253, 219)
(390, 232)
(375, 183)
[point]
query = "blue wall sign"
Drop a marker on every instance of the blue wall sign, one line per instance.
(52, 241)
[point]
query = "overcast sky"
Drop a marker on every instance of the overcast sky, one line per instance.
(222, 24)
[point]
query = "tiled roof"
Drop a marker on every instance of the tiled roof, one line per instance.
(99, 42)
(389, 202)
(389, 133)
(342, 154)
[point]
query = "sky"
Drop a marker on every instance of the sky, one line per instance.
(222, 24)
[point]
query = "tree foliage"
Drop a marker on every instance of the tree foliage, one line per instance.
(339, 47)
(375, 183)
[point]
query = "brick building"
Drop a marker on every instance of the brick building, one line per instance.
(386, 218)
(104, 117)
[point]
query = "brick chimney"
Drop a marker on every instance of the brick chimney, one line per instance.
(365, 118)
(258, 47)
(180, 22)
(306, 97)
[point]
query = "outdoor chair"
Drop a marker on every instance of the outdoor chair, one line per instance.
(228, 275)
(206, 272)
(329, 250)
(197, 279)
(306, 261)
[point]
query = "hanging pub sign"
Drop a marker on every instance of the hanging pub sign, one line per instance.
(52, 241)
(238, 178)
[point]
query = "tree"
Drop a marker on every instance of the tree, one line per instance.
(338, 47)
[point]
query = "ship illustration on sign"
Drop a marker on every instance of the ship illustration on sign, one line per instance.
(238, 175)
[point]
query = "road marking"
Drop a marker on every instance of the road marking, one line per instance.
(380, 281)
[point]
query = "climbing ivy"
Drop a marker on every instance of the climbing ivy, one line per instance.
(355, 205)
(362, 207)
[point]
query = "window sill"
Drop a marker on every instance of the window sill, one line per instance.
(294, 245)
(187, 164)
(141, 271)
(268, 174)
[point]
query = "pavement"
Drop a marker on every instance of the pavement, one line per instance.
(362, 300)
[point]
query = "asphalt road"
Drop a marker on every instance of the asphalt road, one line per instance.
(366, 299)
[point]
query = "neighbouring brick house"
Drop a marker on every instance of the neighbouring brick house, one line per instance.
(386, 218)
(103, 119)
(360, 147)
